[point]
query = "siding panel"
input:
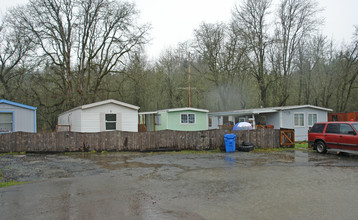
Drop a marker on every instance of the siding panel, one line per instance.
(89, 120)
(24, 119)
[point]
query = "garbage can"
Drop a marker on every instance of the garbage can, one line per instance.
(230, 142)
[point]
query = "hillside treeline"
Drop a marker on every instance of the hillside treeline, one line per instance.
(59, 54)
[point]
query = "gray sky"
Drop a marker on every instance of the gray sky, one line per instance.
(174, 21)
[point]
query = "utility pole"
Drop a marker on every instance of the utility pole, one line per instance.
(189, 101)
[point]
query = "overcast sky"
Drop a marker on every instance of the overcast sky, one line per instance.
(174, 21)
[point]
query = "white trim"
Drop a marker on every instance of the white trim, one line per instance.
(102, 121)
(187, 109)
(115, 122)
(253, 121)
(147, 113)
(187, 114)
(12, 121)
(266, 110)
(207, 121)
(158, 119)
(243, 112)
(109, 101)
(299, 113)
(308, 120)
(167, 119)
(302, 106)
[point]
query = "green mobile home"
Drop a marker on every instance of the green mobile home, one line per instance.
(179, 119)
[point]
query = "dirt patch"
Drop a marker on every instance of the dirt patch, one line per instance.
(37, 167)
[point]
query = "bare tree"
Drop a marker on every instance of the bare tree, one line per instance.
(251, 25)
(83, 40)
(311, 58)
(169, 69)
(222, 64)
(348, 66)
(14, 46)
(136, 81)
(296, 20)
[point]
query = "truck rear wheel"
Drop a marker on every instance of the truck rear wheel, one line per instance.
(321, 147)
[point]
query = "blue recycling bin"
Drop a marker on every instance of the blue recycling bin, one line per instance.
(230, 142)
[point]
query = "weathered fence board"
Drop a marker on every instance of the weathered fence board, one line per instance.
(132, 141)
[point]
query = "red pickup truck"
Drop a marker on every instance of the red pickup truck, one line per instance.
(338, 136)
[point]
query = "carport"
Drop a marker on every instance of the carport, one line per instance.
(257, 117)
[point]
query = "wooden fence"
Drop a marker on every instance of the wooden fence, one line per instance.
(132, 141)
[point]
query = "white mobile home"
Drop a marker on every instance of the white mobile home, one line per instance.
(299, 118)
(17, 117)
(101, 116)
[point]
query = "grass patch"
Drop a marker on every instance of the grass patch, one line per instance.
(217, 150)
(198, 151)
(269, 150)
(10, 183)
(13, 153)
(301, 146)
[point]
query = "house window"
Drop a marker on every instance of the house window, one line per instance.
(299, 119)
(225, 120)
(187, 118)
(312, 119)
(111, 121)
(191, 118)
(6, 122)
(210, 121)
(158, 119)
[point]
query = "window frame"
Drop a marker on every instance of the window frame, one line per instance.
(187, 119)
(334, 117)
(12, 122)
(111, 122)
(308, 119)
(158, 119)
(303, 118)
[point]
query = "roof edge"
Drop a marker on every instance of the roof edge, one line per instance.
(303, 106)
(266, 110)
(148, 113)
(186, 109)
(108, 101)
(17, 104)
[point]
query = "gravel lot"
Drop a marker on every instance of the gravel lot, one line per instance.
(276, 185)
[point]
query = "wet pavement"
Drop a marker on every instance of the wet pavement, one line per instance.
(177, 185)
